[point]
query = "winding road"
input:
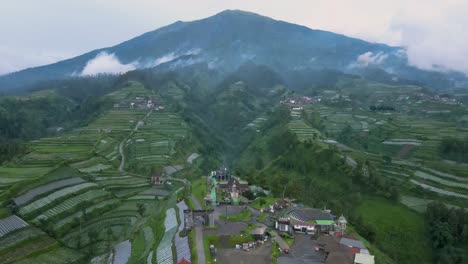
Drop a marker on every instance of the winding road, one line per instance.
(122, 144)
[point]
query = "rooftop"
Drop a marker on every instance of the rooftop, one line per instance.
(310, 214)
(352, 243)
(364, 259)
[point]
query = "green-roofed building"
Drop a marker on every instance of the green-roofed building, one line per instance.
(309, 220)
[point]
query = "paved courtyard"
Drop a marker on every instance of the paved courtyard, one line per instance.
(260, 255)
(301, 252)
(227, 227)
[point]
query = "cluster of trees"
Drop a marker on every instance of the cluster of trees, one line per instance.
(448, 231)
(70, 103)
(374, 182)
(381, 108)
(454, 149)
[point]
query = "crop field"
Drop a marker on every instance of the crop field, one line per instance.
(164, 250)
(19, 236)
(70, 187)
(75, 145)
(43, 202)
(115, 180)
(55, 256)
(181, 243)
(407, 136)
(393, 223)
(153, 143)
(10, 224)
(70, 204)
(12, 175)
(134, 89)
(303, 131)
(22, 250)
(23, 199)
(117, 120)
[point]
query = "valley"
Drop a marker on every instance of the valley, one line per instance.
(110, 191)
(235, 139)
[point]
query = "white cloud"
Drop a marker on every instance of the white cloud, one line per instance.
(435, 36)
(369, 58)
(171, 56)
(106, 63)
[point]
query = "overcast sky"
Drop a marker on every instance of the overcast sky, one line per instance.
(34, 33)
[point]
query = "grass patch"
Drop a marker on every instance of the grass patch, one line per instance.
(399, 232)
(262, 217)
(288, 239)
(274, 252)
(199, 190)
(193, 246)
(263, 202)
(242, 217)
(207, 241)
(138, 247)
(240, 239)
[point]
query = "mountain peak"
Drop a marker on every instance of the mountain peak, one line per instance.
(236, 12)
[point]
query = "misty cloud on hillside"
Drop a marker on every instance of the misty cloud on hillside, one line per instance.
(106, 63)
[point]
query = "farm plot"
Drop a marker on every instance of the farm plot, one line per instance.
(302, 130)
(256, 123)
(122, 251)
(117, 120)
(91, 165)
(19, 236)
(182, 243)
(153, 143)
(71, 204)
(11, 175)
(417, 204)
(134, 89)
(108, 148)
(438, 190)
(25, 198)
(23, 250)
(10, 224)
(70, 146)
(120, 221)
(43, 202)
(126, 181)
(120, 226)
(56, 256)
(433, 178)
(164, 250)
(101, 207)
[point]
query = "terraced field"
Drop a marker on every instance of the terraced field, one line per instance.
(51, 198)
(303, 131)
(28, 196)
(69, 187)
(164, 250)
(154, 141)
(13, 175)
(72, 146)
(117, 120)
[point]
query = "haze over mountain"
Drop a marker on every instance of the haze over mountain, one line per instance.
(232, 38)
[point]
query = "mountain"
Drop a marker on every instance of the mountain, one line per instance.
(231, 38)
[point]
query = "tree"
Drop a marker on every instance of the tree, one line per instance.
(141, 209)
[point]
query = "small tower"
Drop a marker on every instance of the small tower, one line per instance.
(342, 223)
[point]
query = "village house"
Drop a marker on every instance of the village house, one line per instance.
(355, 245)
(306, 220)
(157, 179)
(232, 188)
